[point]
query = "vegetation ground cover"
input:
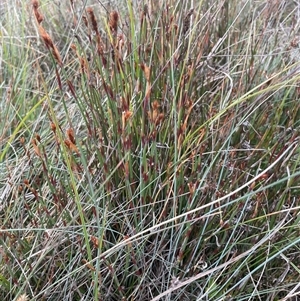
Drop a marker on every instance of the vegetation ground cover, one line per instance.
(149, 150)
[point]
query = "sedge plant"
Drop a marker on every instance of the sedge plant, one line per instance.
(149, 150)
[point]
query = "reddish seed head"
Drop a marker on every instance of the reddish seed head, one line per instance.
(84, 19)
(35, 4)
(68, 143)
(53, 126)
(73, 47)
(56, 55)
(93, 19)
(38, 16)
(155, 105)
(146, 70)
(47, 39)
(95, 241)
(38, 137)
(70, 134)
(113, 21)
(50, 45)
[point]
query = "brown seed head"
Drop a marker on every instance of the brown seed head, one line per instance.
(93, 19)
(38, 137)
(46, 38)
(85, 21)
(38, 16)
(155, 105)
(35, 4)
(50, 45)
(95, 241)
(73, 47)
(53, 127)
(35, 147)
(56, 55)
(70, 134)
(146, 70)
(113, 21)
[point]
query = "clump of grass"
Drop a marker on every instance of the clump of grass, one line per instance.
(158, 156)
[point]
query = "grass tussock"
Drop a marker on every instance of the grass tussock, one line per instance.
(149, 151)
